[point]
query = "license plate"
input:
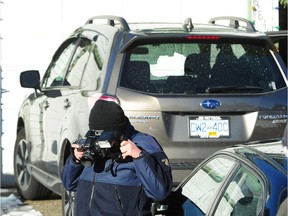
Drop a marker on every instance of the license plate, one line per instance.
(209, 127)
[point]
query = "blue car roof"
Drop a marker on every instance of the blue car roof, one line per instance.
(272, 152)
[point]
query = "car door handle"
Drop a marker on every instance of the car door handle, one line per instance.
(67, 103)
(46, 105)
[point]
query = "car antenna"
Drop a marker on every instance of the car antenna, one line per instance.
(188, 25)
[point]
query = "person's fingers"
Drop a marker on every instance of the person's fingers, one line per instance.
(74, 145)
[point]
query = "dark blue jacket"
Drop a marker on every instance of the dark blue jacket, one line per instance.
(128, 188)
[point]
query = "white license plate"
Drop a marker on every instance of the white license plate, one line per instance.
(209, 127)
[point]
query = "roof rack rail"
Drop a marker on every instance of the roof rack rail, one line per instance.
(111, 21)
(234, 22)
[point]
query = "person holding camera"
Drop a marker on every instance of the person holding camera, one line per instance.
(116, 170)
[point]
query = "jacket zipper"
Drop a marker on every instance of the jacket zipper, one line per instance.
(120, 203)
(92, 193)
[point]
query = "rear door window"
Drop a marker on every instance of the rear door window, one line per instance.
(78, 62)
(91, 79)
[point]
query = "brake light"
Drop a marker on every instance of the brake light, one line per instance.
(108, 98)
(98, 96)
(203, 37)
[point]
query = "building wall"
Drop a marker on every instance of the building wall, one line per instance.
(0, 87)
(265, 14)
(33, 29)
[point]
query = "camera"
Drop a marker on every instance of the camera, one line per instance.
(105, 144)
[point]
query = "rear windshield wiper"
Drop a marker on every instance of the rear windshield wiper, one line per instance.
(234, 89)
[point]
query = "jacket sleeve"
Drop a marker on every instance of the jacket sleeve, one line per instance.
(153, 169)
(71, 173)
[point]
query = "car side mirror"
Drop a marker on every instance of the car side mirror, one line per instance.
(30, 79)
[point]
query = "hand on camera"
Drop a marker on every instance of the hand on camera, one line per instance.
(129, 148)
(78, 154)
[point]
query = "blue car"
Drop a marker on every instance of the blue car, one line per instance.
(239, 180)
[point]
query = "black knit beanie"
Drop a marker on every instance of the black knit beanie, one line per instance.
(107, 115)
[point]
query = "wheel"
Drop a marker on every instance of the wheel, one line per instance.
(28, 187)
(68, 203)
(68, 197)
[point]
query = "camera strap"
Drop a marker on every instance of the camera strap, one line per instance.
(110, 167)
(117, 157)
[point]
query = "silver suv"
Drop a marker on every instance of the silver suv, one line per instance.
(195, 87)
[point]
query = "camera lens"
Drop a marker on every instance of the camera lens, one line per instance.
(87, 160)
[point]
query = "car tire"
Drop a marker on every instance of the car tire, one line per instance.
(28, 187)
(68, 197)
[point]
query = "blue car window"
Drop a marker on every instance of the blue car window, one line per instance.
(204, 184)
(243, 195)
